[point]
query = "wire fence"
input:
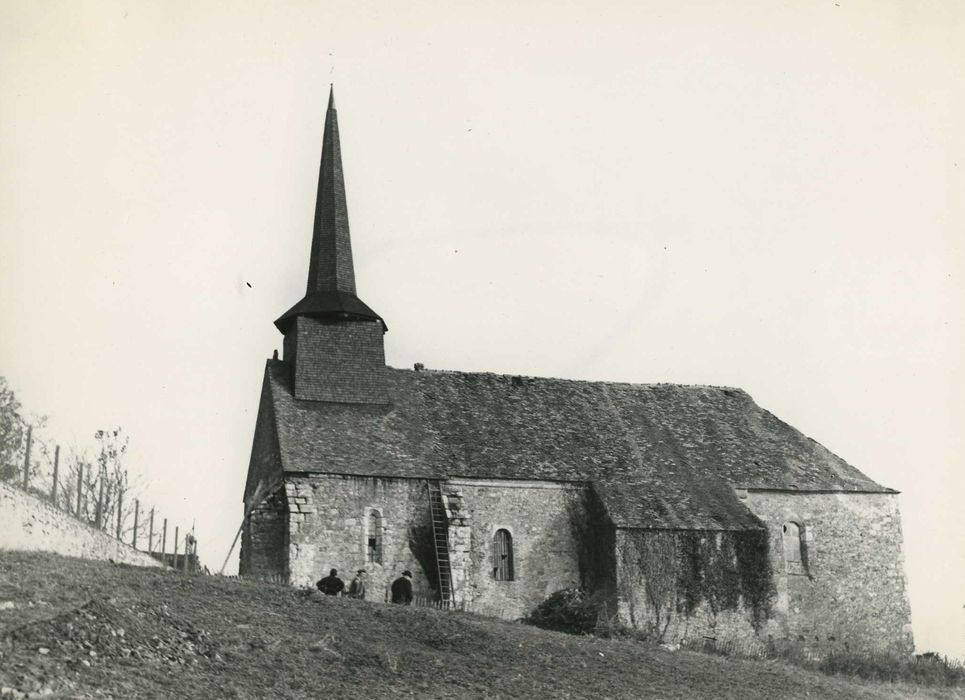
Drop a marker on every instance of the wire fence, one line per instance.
(96, 492)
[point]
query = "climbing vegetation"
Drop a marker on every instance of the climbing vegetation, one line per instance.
(680, 570)
(658, 574)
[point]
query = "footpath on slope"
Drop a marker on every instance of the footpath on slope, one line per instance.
(79, 628)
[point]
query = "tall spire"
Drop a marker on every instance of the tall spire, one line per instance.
(331, 267)
(331, 273)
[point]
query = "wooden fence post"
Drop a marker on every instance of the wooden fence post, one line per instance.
(150, 533)
(137, 512)
(99, 512)
(120, 512)
(53, 490)
(26, 458)
(175, 547)
(80, 487)
(164, 540)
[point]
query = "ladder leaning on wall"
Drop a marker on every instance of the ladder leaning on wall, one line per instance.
(440, 541)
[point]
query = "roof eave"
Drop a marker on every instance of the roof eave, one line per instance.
(330, 305)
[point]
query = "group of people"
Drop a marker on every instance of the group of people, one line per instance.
(332, 585)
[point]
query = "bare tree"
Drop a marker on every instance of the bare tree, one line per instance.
(112, 477)
(94, 489)
(12, 431)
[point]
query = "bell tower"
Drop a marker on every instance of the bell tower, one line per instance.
(333, 340)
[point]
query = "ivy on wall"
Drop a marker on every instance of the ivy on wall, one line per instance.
(680, 570)
(676, 570)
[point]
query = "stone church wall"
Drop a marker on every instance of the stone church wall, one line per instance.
(327, 518)
(537, 515)
(328, 529)
(264, 540)
(847, 593)
(851, 592)
(654, 606)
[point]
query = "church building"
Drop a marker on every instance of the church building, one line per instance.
(687, 511)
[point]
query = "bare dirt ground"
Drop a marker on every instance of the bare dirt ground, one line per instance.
(74, 628)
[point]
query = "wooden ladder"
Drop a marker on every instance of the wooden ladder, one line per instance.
(440, 539)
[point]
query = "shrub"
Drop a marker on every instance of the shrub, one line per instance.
(569, 610)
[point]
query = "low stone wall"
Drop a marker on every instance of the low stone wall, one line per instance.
(28, 523)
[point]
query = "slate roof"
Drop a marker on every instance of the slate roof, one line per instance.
(659, 456)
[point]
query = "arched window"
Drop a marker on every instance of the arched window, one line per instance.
(373, 536)
(795, 558)
(503, 555)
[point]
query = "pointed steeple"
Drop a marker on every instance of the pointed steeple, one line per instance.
(331, 267)
(331, 273)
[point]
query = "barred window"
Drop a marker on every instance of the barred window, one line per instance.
(373, 536)
(503, 556)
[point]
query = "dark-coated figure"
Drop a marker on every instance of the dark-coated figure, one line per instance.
(402, 589)
(331, 584)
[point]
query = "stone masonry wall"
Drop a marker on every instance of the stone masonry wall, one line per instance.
(328, 525)
(329, 528)
(342, 362)
(852, 593)
(31, 524)
(849, 593)
(636, 609)
(264, 539)
(545, 559)
(459, 541)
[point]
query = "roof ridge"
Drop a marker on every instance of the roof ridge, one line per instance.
(608, 382)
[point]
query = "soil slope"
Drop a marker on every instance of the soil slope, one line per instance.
(79, 628)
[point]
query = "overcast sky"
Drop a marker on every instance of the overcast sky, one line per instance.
(767, 195)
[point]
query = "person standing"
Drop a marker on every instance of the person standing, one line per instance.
(402, 589)
(331, 584)
(356, 589)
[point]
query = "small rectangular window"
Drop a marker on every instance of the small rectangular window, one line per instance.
(373, 526)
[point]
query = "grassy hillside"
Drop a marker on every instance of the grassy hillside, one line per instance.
(77, 628)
